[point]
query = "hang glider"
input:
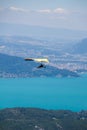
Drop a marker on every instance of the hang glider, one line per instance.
(41, 60)
(37, 59)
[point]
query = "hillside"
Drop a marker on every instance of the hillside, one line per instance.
(40, 119)
(11, 66)
(81, 47)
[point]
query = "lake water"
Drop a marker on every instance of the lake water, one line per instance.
(48, 93)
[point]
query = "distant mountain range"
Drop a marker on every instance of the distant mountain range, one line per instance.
(41, 32)
(12, 66)
(81, 47)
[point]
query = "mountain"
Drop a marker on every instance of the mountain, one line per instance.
(80, 48)
(41, 32)
(12, 66)
(40, 119)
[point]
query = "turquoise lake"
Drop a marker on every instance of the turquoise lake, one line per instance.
(47, 93)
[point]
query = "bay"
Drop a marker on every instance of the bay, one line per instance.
(47, 93)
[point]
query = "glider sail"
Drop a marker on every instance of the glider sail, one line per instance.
(38, 59)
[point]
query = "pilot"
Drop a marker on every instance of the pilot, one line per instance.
(41, 66)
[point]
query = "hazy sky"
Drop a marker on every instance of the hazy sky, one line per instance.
(71, 14)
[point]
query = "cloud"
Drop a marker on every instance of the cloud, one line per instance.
(55, 11)
(44, 11)
(12, 8)
(59, 11)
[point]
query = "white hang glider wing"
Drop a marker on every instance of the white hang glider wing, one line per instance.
(45, 60)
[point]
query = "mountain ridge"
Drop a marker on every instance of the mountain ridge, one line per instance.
(13, 66)
(39, 31)
(41, 119)
(81, 47)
